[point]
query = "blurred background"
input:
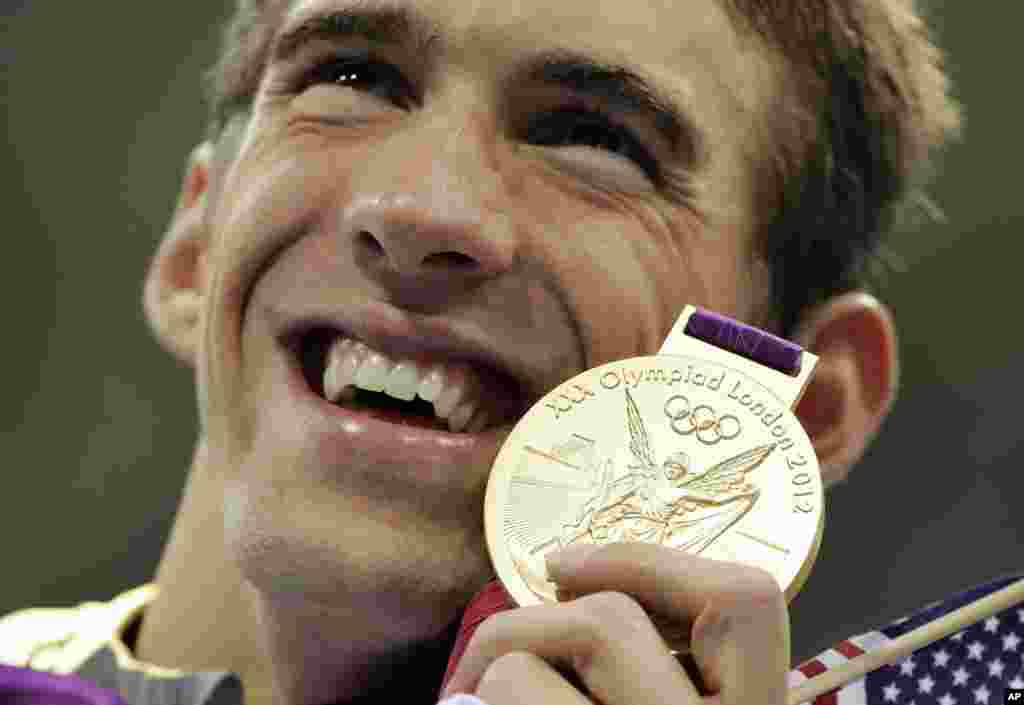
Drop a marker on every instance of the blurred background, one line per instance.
(101, 106)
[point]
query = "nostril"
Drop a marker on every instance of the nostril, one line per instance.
(371, 249)
(369, 244)
(455, 260)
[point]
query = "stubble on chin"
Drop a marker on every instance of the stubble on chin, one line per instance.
(339, 558)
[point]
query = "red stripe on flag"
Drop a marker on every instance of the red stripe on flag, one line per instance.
(813, 668)
(828, 698)
(848, 649)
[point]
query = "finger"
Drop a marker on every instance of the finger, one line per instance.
(741, 643)
(740, 634)
(521, 677)
(605, 638)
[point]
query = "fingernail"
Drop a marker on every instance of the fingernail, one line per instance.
(566, 561)
(462, 699)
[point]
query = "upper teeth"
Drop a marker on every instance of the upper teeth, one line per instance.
(454, 389)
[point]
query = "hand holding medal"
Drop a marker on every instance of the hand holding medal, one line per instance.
(691, 504)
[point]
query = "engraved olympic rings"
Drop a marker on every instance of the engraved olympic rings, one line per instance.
(701, 420)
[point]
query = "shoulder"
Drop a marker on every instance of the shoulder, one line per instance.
(60, 639)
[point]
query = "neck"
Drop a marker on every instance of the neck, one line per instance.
(201, 619)
(353, 671)
(207, 617)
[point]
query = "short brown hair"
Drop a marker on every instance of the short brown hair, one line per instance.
(868, 110)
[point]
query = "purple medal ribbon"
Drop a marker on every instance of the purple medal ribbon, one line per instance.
(25, 686)
(745, 340)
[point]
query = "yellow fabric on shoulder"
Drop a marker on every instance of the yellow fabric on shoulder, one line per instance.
(61, 639)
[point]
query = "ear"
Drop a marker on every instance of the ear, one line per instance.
(175, 285)
(854, 385)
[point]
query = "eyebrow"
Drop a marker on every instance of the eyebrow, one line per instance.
(623, 87)
(363, 19)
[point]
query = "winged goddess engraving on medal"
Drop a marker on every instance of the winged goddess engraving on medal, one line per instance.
(668, 503)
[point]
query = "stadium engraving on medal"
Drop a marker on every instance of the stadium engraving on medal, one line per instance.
(664, 449)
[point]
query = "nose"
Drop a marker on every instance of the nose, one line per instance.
(422, 218)
(399, 235)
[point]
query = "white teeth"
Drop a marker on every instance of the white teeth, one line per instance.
(432, 384)
(342, 362)
(331, 388)
(403, 381)
(461, 416)
(454, 390)
(478, 423)
(373, 373)
(450, 398)
(460, 398)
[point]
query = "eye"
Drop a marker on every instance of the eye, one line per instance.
(363, 75)
(592, 129)
(566, 126)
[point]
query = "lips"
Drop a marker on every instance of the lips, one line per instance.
(307, 338)
(376, 453)
(386, 457)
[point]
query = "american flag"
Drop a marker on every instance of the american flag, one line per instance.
(972, 667)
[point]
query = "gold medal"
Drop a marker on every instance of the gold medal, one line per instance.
(696, 448)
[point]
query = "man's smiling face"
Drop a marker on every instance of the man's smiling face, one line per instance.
(473, 198)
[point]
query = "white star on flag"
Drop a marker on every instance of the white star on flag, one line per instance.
(973, 667)
(1020, 616)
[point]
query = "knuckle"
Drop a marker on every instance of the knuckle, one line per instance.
(511, 666)
(607, 614)
(763, 585)
(491, 628)
(756, 590)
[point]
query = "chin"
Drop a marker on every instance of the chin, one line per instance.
(324, 550)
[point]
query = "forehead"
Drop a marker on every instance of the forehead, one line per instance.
(600, 22)
(683, 45)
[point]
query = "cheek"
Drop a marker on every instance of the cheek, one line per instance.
(728, 282)
(694, 263)
(318, 259)
(274, 199)
(624, 264)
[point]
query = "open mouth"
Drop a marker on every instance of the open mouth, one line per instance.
(435, 394)
(313, 349)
